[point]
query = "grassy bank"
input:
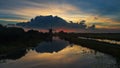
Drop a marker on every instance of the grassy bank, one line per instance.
(111, 49)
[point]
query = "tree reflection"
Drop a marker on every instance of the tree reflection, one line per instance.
(13, 55)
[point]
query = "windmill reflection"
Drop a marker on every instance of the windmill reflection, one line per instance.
(53, 44)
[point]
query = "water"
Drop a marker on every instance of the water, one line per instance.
(59, 53)
(103, 40)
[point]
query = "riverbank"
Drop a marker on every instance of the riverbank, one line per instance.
(108, 48)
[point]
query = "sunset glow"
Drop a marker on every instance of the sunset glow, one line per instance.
(24, 10)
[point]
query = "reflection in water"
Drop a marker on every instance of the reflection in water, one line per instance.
(13, 55)
(102, 40)
(64, 55)
(55, 45)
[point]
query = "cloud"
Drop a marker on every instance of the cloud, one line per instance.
(107, 8)
(74, 10)
(106, 25)
(32, 9)
(14, 20)
(55, 22)
(89, 6)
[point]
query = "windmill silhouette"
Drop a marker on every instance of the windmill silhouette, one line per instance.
(51, 29)
(50, 37)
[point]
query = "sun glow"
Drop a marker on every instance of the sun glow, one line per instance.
(64, 10)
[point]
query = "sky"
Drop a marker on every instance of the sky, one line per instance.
(102, 13)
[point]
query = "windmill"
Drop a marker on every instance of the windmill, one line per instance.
(51, 29)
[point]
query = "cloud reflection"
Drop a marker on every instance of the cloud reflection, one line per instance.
(70, 57)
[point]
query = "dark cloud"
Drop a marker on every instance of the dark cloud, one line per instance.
(46, 22)
(11, 16)
(103, 8)
(106, 24)
(13, 4)
(91, 6)
(7, 22)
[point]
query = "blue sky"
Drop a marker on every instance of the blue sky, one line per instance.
(103, 13)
